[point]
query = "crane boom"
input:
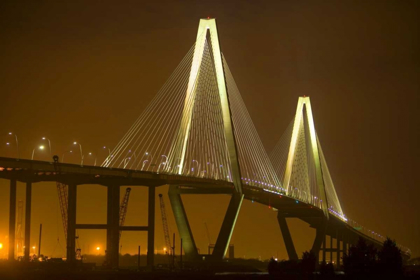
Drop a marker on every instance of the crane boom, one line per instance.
(62, 190)
(123, 208)
(165, 224)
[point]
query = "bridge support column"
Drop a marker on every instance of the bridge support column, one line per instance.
(331, 249)
(151, 227)
(338, 250)
(113, 226)
(225, 234)
(290, 247)
(28, 220)
(320, 238)
(324, 247)
(345, 245)
(71, 223)
(12, 220)
(182, 223)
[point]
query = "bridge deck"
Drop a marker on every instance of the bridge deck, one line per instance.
(40, 171)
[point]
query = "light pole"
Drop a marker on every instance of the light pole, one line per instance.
(81, 153)
(17, 144)
(144, 162)
(147, 155)
(151, 157)
(109, 152)
(198, 165)
(163, 163)
(49, 144)
(33, 151)
(62, 157)
(94, 163)
(125, 161)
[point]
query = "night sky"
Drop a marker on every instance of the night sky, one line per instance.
(85, 70)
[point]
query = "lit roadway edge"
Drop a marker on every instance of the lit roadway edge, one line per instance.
(38, 171)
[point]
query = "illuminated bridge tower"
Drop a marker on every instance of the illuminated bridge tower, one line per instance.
(207, 37)
(300, 164)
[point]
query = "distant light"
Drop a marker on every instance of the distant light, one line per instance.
(1, 245)
(164, 249)
(98, 248)
(7, 143)
(33, 247)
(71, 151)
(74, 143)
(41, 147)
(90, 154)
(297, 201)
(10, 133)
(104, 147)
(147, 153)
(43, 138)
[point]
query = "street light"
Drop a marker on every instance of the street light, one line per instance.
(33, 151)
(125, 161)
(163, 163)
(144, 162)
(81, 153)
(49, 144)
(62, 157)
(108, 159)
(17, 144)
(94, 164)
(198, 164)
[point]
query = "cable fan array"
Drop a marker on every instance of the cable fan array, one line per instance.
(181, 133)
(303, 183)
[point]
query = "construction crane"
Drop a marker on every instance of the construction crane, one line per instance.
(62, 191)
(123, 210)
(165, 225)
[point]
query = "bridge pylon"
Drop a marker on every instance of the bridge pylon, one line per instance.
(305, 103)
(207, 33)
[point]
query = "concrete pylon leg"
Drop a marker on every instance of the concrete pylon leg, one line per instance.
(12, 220)
(71, 223)
(151, 228)
(321, 229)
(28, 220)
(338, 251)
(331, 249)
(115, 226)
(225, 234)
(108, 229)
(182, 223)
(287, 237)
(113, 208)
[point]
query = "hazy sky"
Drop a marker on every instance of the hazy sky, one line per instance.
(85, 70)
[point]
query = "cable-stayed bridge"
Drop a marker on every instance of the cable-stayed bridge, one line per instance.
(197, 137)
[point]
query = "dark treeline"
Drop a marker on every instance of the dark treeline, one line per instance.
(362, 261)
